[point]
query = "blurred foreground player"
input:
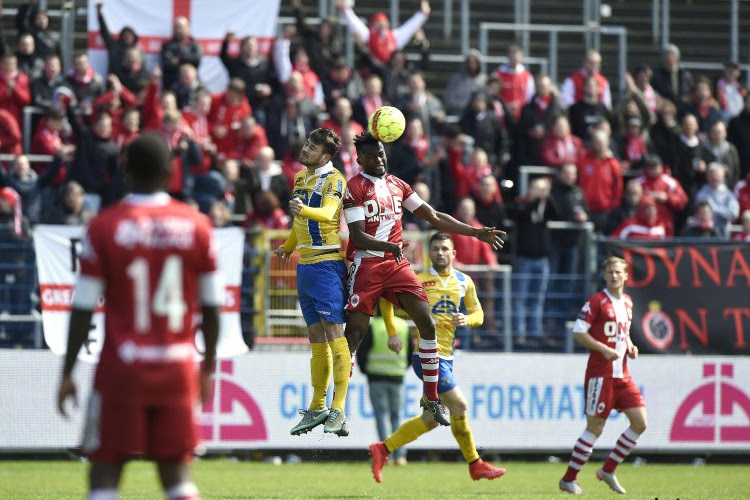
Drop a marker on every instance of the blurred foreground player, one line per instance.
(454, 303)
(373, 208)
(603, 327)
(152, 258)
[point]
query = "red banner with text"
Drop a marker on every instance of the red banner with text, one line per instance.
(688, 298)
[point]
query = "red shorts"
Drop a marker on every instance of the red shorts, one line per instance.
(371, 278)
(606, 393)
(116, 430)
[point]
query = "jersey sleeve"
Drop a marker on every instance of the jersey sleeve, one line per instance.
(354, 209)
(334, 187)
(587, 316)
(412, 201)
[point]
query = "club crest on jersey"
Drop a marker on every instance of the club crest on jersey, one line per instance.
(370, 192)
(318, 187)
(611, 313)
(394, 189)
(600, 407)
(354, 300)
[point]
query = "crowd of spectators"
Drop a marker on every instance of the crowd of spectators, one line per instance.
(669, 157)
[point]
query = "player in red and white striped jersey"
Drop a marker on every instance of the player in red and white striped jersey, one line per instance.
(603, 327)
(373, 208)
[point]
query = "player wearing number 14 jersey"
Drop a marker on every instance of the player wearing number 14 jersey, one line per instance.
(373, 207)
(603, 326)
(153, 261)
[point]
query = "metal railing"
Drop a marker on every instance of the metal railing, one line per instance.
(541, 62)
(553, 30)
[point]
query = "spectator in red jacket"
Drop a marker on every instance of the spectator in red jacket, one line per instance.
(10, 134)
(15, 91)
(469, 250)
(341, 118)
(600, 178)
(559, 146)
(245, 143)
(47, 141)
(115, 101)
(744, 234)
(518, 83)
(128, 128)
(156, 105)
(267, 212)
(742, 193)
(664, 189)
(572, 88)
(644, 226)
(227, 111)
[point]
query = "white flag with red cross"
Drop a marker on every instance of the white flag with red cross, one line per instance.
(209, 20)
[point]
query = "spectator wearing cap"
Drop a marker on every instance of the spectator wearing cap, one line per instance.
(323, 46)
(573, 87)
(730, 92)
(718, 149)
(587, 111)
(180, 49)
(600, 178)
(701, 223)
(518, 85)
(703, 105)
(633, 147)
(464, 84)
(116, 48)
(252, 68)
(30, 18)
(559, 145)
(15, 91)
(670, 80)
(340, 81)
(536, 117)
(715, 192)
(381, 40)
(664, 190)
(738, 134)
(644, 226)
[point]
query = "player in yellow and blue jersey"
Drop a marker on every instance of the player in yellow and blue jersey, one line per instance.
(453, 302)
(321, 274)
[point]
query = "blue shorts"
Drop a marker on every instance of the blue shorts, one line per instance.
(321, 291)
(446, 381)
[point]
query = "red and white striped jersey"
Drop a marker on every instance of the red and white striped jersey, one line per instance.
(378, 201)
(607, 319)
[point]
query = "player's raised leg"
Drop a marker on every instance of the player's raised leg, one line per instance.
(419, 311)
(625, 444)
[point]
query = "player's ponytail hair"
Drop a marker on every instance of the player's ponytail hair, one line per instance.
(326, 138)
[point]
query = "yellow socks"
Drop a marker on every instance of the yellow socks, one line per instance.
(342, 366)
(465, 439)
(321, 365)
(408, 432)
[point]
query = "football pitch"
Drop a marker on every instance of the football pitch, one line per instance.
(230, 479)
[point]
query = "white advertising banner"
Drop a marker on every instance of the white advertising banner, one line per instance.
(209, 20)
(57, 249)
(517, 402)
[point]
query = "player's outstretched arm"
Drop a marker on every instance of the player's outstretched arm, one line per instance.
(285, 251)
(364, 241)
(78, 331)
(446, 223)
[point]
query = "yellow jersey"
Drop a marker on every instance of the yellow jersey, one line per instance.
(450, 294)
(316, 228)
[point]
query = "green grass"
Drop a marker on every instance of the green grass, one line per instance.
(226, 479)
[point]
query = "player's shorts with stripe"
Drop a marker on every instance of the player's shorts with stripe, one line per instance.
(603, 394)
(117, 430)
(321, 291)
(446, 381)
(372, 277)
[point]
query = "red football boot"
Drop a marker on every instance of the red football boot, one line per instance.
(484, 470)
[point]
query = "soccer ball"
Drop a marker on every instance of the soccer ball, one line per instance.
(386, 123)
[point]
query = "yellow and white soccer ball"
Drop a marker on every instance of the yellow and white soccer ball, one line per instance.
(386, 123)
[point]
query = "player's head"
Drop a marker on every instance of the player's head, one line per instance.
(370, 154)
(615, 273)
(442, 251)
(148, 163)
(321, 145)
